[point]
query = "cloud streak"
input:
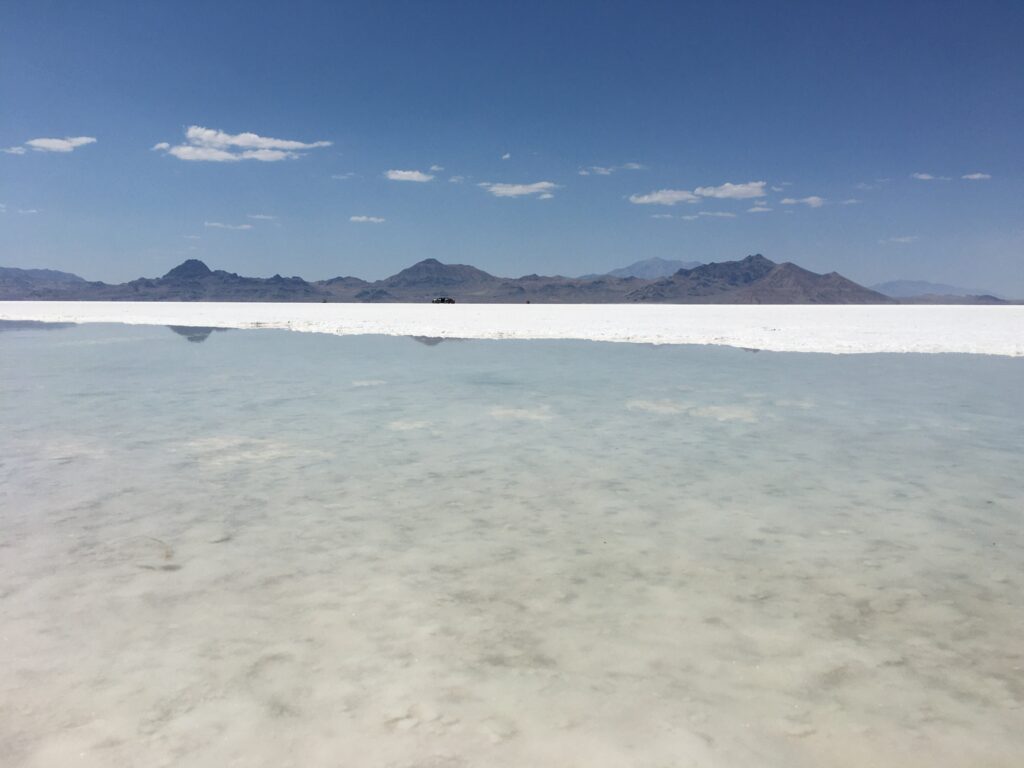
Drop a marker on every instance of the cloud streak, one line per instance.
(219, 225)
(976, 176)
(418, 176)
(812, 201)
(367, 219)
(543, 189)
(665, 197)
(215, 146)
(608, 170)
(727, 191)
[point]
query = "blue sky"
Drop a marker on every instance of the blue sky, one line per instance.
(564, 137)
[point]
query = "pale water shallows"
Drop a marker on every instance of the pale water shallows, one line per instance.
(261, 548)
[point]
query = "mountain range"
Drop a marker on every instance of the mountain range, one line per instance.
(753, 280)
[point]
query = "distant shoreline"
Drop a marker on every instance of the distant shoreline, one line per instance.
(834, 329)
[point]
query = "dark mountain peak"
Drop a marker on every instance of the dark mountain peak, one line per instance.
(431, 273)
(733, 273)
(190, 269)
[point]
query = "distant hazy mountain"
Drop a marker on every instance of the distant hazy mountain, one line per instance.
(901, 289)
(753, 280)
(756, 280)
(648, 269)
(23, 283)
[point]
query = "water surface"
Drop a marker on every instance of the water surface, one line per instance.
(265, 548)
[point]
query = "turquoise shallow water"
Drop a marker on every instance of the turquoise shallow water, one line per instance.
(272, 548)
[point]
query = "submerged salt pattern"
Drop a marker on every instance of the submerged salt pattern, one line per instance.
(279, 549)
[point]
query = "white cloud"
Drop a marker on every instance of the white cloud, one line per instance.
(662, 216)
(904, 239)
(727, 191)
(539, 188)
(976, 176)
(850, 201)
(14, 150)
(709, 215)
(758, 209)
(545, 196)
(507, 156)
(218, 225)
(367, 219)
(813, 201)
(210, 145)
(261, 216)
(342, 176)
(67, 144)
(457, 179)
(27, 211)
(665, 197)
(408, 176)
(208, 137)
(608, 170)
(435, 168)
(928, 177)
(733, 191)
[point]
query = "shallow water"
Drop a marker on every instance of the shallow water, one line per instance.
(263, 548)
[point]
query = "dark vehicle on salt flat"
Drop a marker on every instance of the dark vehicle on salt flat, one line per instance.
(443, 300)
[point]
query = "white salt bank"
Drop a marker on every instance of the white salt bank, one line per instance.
(992, 330)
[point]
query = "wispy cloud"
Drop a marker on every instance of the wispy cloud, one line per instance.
(215, 146)
(457, 179)
(67, 144)
(727, 191)
(730, 191)
(507, 156)
(342, 176)
(903, 239)
(758, 209)
(435, 168)
(367, 219)
(850, 201)
(976, 176)
(608, 170)
(419, 176)
(543, 189)
(709, 215)
(261, 216)
(665, 197)
(812, 201)
(928, 177)
(219, 225)
(27, 211)
(662, 216)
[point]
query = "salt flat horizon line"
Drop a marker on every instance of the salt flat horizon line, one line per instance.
(830, 329)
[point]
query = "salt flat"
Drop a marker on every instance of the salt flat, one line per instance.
(835, 329)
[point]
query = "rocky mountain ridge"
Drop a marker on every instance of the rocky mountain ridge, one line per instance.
(753, 280)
